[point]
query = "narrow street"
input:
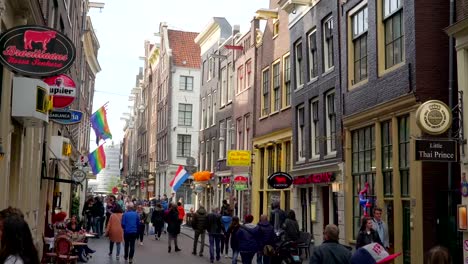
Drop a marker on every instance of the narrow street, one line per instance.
(153, 251)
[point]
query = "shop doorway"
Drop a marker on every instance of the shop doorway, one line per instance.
(326, 205)
(406, 232)
(304, 209)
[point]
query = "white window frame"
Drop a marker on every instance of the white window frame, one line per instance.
(246, 131)
(222, 139)
(213, 152)
(203, 120)
(185, 86)
(239, 136)
(213, 108)
(312, 55)
(326, 45)
(300, 134)
(313, 137)
(230, 87)
(202, 156)
(229, 136)
(184, 113)
(209, 111)
(298, 62)
(328, 122)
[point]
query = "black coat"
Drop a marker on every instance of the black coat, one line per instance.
(214, 224)
(98, 209)
(157, 218)
(365, 239)
(330, 252)
(173, 223)
(200, 220)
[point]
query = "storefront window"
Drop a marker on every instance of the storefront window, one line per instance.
(278, 157)
(262, 168)
(403, 134)
(271, 160)
(363, 160)
(387, 161)
(288, 156)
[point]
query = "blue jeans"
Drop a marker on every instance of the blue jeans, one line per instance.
(97, 226)
(247, 257)
(215, 240)
(111, 247)
(235, 255)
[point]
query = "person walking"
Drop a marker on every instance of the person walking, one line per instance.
(98, 216)
(266, 237)
(232, 234)
(438, 255)
(157, 219)
(141, 225)
(16, 239)
(277, 217)
(199, 225)
(110, 206)
(114, 231)
(367, 234)
(130, 223)
(226, 220)
(214, 234)
(381, 227)
(247, 235)
(330, 251)
(173, 227)
(181, 211)
(87, 213)
(291, 227)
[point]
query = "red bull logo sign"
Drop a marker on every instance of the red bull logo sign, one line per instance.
(280, 180)
(36, 51)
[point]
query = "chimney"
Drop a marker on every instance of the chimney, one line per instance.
(235, 30)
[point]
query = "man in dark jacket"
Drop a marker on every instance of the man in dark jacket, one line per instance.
(98, 216)
(277, 217)
(199, 224)
(266, 237)
(214, 233)
(248, 237)
(331, 251)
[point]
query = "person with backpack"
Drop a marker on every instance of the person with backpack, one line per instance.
(157, 219)
(215, 234)
(232, 234)
(199, 225)
(266, 237)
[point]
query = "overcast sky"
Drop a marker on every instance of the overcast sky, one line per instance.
(123, 26)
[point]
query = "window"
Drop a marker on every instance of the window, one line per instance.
(213, 149)
(265, 92)
(229, 134)
(186, 83)
(230, 88)
(393, 23)
(247, 144)
(224, 85)
(278, 157)
(249, 73)
(239, 142)
(331, 123)
(363, 169)
(360, 25)
(240, 79)
(275, 27)
(183, 145)
(298, 65)
(202, 156)
(204, 72)
(211, 68)
(300, 133)
(288, 156)
(185, 114)
(207, 155)
(222, 139)
(204, 124)
(404, 158)
(387, 159)
(276, 87)
(287, 80)
(209, 104)
(315, 129)
(313, 68)
(328, 43)
(214, 99)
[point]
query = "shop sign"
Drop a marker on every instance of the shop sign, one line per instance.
(280, 180)
(34, 50)
(63, 90)
(434, 117)
(66, 117)
(240, 186)
(198, 188)
(436, 150)
(324, 177)
(239, 158)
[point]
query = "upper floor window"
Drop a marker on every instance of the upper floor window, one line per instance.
(275, 27)
(393, 22)
(211, 68)
(248, 73)
(287, 80)
(300, 132)
(230, 88)
(331, 122)
(184, 145)
(214, 100)
(229, 134)
(239, 137)
(247, 132)
(222, 139)
(314, 128)
(312, 41)
(204, 71)
(185, 114)
(186, 83)
(265, 92)
(328, 43)
(240, 79)
(276, 87)
(204, 116)
(209, 104)
(360, 25)
(224, 85)
(298, 64)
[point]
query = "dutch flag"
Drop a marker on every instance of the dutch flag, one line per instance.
(180, 177)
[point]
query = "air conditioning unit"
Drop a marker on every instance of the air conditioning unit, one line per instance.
(60, 148)
(30, 102)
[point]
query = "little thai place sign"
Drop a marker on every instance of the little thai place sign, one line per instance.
(436, 150)
(36, 51)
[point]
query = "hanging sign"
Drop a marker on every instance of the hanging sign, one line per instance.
(34, 50)
(239, 158)
(436, 150)
(66, 117)
(63, 90)
(240, 183)
(434, 117)
(324, 177)
(280, 180)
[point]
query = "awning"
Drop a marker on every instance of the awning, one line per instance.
(314, 168)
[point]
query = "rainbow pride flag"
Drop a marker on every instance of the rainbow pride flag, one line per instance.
(97, 160)
(99, 124)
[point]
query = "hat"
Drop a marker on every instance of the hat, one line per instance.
(373, 253)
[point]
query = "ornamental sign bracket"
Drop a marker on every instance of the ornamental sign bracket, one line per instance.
(459, 134)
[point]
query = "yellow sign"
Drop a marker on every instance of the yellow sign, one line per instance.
(66, 149)
(238, 158)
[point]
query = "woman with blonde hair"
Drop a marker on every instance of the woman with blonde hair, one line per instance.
(438, 255)
(114, 231)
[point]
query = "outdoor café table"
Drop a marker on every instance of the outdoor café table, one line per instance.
(79, 243)
(90, 235)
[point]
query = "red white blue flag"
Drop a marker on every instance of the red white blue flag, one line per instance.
(180, 177)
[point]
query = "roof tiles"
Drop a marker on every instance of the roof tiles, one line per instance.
(185, 52)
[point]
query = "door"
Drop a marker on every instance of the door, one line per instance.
(326, 205)
(304, 207)
(406, 233)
